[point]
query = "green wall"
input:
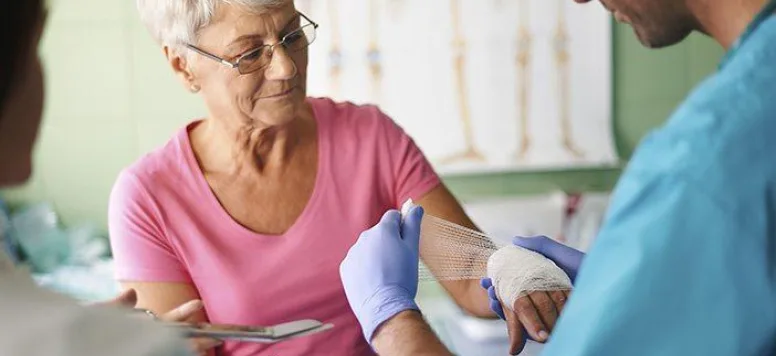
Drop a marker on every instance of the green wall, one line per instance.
(110, 98)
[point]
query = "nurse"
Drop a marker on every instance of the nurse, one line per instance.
(685, 263)
(34, 321)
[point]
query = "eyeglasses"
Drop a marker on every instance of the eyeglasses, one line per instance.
(261, 57)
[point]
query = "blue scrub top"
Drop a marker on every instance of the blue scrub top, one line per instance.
(685, 263)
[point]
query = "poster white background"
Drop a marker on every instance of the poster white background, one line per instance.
(418, 86)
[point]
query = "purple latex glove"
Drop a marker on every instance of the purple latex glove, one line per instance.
(567, 258)
(380, 272)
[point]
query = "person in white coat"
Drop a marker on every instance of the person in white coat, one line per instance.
(34, 321)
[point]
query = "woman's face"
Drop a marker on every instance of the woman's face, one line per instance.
(20, 118)
(271, 96)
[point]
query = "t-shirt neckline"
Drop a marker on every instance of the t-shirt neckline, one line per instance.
(210, 199)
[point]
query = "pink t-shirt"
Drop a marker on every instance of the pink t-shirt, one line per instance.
(167, 226)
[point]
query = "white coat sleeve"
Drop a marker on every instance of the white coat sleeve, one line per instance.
(35, 322)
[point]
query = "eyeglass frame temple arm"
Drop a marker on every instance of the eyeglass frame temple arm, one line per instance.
(315, 24)
(212, 56)
(236, 65)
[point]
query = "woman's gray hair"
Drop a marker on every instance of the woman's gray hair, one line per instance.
(176, 22)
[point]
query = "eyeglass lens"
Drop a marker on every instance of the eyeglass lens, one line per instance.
(262, 56)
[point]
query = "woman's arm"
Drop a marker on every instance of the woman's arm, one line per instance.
(467, 294)
(161, 297)
(142, 252)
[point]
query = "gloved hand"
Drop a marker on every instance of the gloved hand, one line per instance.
(380, 272)
(567, 258)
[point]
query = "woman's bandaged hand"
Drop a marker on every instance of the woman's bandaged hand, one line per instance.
(533, 288)
(533, 315)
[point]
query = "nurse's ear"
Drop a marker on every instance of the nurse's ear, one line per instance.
(182, 67)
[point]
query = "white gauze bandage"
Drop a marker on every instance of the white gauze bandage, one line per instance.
(452, 252)
(516, 271)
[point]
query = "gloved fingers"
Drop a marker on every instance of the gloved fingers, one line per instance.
(495, 304)
(391, 220)
(486, 283)
(567, 258)
(492, 293)
(559, 298)
(536, 244)
(410, 227)
(496, 307)
(526, 313)
(545, 307)
(183, 312)
(517, 334)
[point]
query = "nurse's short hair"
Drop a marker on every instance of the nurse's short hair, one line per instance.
(176, 22)
(18, 22)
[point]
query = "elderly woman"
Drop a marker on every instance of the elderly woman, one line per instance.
(253, 208)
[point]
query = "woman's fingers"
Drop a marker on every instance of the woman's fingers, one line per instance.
(183, 312)
(201, 346)
(516, 331)
(545, 307)
(526, 313)
(536, 315)
(539, 312)
(559, 297)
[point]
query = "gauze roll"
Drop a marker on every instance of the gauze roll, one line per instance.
(453, 252)
(516, 271)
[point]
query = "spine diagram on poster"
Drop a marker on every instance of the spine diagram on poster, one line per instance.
(523, 63)
(470, 152)
(373, 51)
(335, 50)
(562, 63)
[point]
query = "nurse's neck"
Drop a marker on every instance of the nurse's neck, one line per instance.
(725, 20)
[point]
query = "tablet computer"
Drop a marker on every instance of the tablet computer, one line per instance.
(258, 334)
